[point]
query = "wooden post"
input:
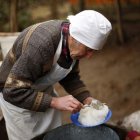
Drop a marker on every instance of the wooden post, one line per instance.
(119, 21)
(81, 5)
(13, 15)
(54, 8)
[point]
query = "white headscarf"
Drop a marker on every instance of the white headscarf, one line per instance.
(90, 28)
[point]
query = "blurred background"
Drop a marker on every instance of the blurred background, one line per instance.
(113, 74)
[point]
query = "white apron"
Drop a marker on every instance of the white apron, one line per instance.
(23, 124)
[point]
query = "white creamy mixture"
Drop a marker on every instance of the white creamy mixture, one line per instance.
(93, 114)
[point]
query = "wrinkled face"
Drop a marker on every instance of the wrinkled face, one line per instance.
(78, 50)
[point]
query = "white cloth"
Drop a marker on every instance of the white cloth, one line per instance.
(23, 124)
(132, 121)
(57, 73)
(90, 28)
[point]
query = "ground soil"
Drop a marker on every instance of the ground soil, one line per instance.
(113, 76)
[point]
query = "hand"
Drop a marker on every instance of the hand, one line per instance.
(66, 103)
(88, 100)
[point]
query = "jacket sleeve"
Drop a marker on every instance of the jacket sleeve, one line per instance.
(26, 70)
(74, 85)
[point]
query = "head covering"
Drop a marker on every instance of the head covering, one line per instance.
(90, 28)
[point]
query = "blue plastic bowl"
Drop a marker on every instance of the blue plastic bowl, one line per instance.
(74, 119)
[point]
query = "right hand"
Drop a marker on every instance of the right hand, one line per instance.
(66, 103)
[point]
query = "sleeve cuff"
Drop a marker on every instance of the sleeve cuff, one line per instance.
(42, 102)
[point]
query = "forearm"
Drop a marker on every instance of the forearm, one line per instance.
(74, 86)
(20, 93)
(27, 99)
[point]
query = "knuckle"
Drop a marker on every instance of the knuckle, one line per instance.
(70, 95)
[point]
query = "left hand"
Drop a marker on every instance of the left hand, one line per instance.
(88, 100)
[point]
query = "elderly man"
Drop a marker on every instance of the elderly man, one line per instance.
(42, 55)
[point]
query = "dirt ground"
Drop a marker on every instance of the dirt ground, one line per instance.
(113, 76)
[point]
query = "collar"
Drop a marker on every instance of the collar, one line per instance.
(65, 60)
